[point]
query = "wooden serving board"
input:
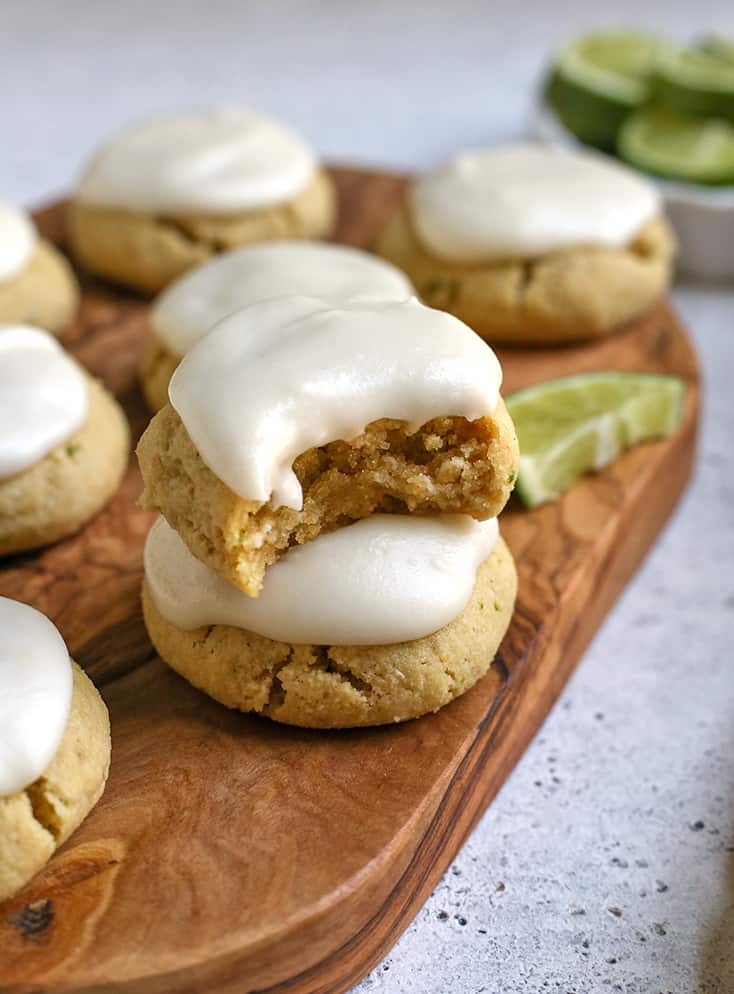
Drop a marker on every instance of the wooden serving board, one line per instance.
(230, 854)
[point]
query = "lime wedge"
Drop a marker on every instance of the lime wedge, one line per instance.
(574, 424)
(721, 46)
(694, 81)
(598, 79)
(679, 146)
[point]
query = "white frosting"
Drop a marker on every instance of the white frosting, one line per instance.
(385, 579)
(43, 397)
(35, 694)
(526, 200)
(282, 376)
(188, 309)
(220, 160)
(17, 241)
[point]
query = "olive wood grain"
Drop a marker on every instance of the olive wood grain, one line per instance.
(229, 854)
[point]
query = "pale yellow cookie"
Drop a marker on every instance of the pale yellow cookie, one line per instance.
(157, 366)
(56, 496)
(569, 295)
(45, 293)
(148, 251)
(450, 465)
(35, 822)
(345, 686)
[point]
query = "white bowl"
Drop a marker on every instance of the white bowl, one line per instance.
(703, 216)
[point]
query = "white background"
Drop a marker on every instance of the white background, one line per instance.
(603, 810)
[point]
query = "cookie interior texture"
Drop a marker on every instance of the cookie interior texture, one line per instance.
(450, 465)
(148, 251)
(45, 293)
(56, 496)
(345, 686)
(573, 294)
(34, 822)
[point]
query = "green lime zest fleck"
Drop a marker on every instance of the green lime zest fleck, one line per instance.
(72, 448)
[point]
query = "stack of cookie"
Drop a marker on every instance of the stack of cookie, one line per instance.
(329, 479)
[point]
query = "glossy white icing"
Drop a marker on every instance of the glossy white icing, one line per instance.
(527, 200)
(189, 308)
(284, 375)
(35, 694)
(43, 397)
(221, 160)
(17, 241)
(388, 578)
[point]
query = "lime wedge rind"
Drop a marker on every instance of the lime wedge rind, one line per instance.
(596, 80)
(696, 68)
(615, 65)
(579, 424)
(679, 146)
(692, 81)
(589, 117)
(605, 89)
(720, 46)
(572, 67)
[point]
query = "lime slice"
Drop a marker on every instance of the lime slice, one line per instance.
(721, 46)
(574, 424)
(593, 120)
(597, 80)
(679, 146)
(694, 82)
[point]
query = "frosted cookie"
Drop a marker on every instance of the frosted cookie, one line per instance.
(64, 441)
(189, 308)
(293, 417)
(54, 744)
(530, 244)
(37, 284)
(167, 195)
(384, 620)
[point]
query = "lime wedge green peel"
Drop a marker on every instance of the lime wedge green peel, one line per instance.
(598, 79)
(721, 46)
(679, 146)
(694, 81)
(575, 424)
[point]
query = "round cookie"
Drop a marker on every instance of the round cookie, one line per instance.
(157, 366)
(36, 821)
(168, 195)
(45, 293)
(190, 307)
(37, 285)
(344, 686)
(62, 491)
(148, 251)
(566, 296)
(533, 245)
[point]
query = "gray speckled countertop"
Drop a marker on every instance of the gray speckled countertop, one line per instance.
(607, 861)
